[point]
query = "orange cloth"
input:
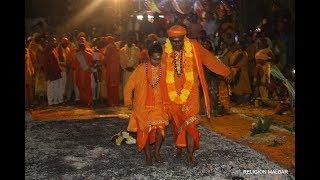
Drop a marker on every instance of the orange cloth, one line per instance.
(191, 107)
(176, 31)
(144, 136)
(112, 70)
(145, 116)
(83, 77)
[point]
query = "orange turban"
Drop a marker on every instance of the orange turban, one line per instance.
(176, 31)
(152, 37)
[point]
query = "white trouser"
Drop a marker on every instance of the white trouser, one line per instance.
(62, 86)
(54, 92)
(76, 92)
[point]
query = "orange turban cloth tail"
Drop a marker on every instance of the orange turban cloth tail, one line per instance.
(176, 31)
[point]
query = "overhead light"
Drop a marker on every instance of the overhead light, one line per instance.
(150, 17)
(161, 16)
(140, 17)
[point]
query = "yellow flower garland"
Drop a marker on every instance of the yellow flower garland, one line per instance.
(188, 72)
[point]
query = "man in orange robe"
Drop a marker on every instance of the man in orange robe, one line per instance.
(82, 63)
(112, 66)
(82, 38)
(149, 117)
(184, 102)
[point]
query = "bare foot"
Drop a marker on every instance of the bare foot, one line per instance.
(179, 153)
(148, 161)
(191, 160)
(158, 157)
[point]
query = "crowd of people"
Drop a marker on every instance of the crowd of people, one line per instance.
(163, 72)
(68, 68)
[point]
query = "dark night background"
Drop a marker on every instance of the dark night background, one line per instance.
(58, 11)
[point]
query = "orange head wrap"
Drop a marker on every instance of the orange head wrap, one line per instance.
(176, 31)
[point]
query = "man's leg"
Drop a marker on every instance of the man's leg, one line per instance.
(147, 152)
(190, 149)
(158, 146)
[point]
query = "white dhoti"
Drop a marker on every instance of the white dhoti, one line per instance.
(54, 92)
(62, 86)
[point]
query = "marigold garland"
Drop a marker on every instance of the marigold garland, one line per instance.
(187, 69)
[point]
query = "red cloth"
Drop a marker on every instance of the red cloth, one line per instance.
(51, 66)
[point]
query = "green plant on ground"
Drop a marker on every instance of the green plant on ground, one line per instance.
(261, 126)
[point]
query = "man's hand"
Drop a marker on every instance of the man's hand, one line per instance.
(129, 107)
(228, 78)
(130, 69)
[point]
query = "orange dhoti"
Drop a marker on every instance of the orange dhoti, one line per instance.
(182, 124)
(146, 125)
(113, 95)
(147, 129)
(82, 64)
(145, 121)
